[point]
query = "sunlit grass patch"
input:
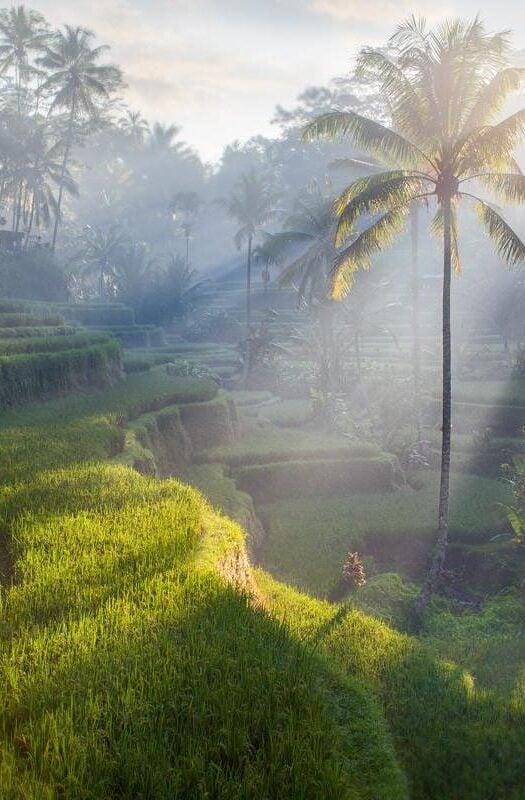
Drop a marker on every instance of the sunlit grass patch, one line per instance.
(87, 427)
(454, 741)
(130, 668)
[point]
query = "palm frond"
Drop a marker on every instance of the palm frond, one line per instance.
(406, 104)
(508, 244)
(358, 254)
(492, 146)
(492, 96)
(369, 181)
(507, 186)
(352, 164)
(373, 137)
(375, 199)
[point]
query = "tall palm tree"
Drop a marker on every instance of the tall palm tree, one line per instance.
(78, 84)
(252, 205)
(23, 33)
(446, 90)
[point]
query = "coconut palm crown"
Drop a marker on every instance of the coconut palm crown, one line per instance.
(445, 89)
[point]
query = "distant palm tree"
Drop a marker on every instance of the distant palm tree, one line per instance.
(41, 175)
(133, 124)
(308, 233)
(266, 256)
(23, 33)
(77, 83)
(185, 207)
(162, 136)
(252, 204)
(101, 253)
(445, 90)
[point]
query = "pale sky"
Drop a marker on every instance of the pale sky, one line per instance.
(218, 68)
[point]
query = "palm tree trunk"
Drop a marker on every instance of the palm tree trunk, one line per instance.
(249, 285)
(416, 353)
(440, 548)
(357, 349)
(30, 225)
(69, 142)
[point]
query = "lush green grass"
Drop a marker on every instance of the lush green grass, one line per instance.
(267, 443)
(37, 331)
(50, 344)
(490, 643)
(28, 377)
(219, 489)
(288, 413)
(130, 669)
(308, 537)
(21, 320)
(87, 427)
(506, 393)
(456, 743)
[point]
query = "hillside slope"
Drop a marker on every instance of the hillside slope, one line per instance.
(140, 658)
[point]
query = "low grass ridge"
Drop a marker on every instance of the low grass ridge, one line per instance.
(37, 331)
(87, 427)
(51, 344)
(267, 443)
(20, 319)
(31, 376)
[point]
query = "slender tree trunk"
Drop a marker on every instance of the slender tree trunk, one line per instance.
(416, 353)
(249, 285)
(357, 348)
(101, 279)
(30, 225)
(69, 142)
(440, 548)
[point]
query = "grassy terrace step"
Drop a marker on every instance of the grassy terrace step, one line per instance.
(322, 476)
(36, 331)
(21, 320)
(135, 335)
(87, 427)
(309, 536)
(27, 377)
(98, 314)
(272, 444)
(49, 344)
